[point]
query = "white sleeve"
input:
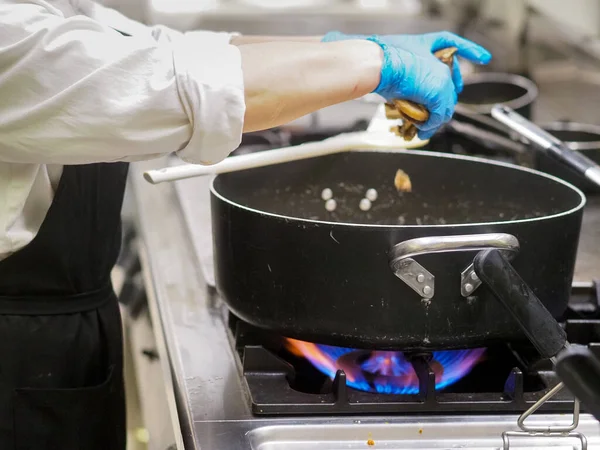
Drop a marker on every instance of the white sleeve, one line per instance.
(122, 23)
(73, 90)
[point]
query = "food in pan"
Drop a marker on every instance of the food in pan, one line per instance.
(402, 181)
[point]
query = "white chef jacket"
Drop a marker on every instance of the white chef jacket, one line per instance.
(74, 91)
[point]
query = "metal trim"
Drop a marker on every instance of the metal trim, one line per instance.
(214, 191)
(576, 127)
(408, 270)
(458, 243)
(499, 77)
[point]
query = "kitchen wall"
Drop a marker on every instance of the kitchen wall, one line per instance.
(582, 15)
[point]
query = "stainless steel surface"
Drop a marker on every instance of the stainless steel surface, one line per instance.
(458, 243)
(548, 428)
(469, 281)
(550, 431)
(408, 270)
(196, 210)
(524, 127)
(587, 265)
(212, 406)
(152, 412)
(409, 434)
(593, 174)
(417, 277)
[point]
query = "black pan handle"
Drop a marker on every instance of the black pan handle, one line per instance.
(548, 143)
(579, 369)
(537, 323)
(487, 139)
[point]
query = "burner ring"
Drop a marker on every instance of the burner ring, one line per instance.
(353, 364)
(389, 372)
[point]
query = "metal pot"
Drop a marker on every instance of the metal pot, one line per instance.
(399, 275)
(481, 92)
(584, 138)
(484, 90)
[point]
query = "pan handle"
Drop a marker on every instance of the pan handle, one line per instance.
(579, 369)
(575, 365)
(520, 301)
(422, 281)
(548, 143)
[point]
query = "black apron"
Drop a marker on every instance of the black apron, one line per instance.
(61, 368)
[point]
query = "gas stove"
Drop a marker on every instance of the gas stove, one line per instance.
(285, 377)
(241, 387)
(304, 396)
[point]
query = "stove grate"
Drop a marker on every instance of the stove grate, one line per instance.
(510, 381)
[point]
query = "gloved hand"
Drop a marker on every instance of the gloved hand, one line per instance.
(411, 72)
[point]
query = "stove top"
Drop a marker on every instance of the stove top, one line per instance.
(237, 387)
(508, 378)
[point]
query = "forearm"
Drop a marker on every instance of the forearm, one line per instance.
(245, 40)
(287, 80)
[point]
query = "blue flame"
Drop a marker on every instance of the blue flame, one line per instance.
(388, 372)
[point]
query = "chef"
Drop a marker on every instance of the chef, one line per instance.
(83, 92)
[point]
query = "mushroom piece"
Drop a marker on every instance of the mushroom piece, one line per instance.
(412, 113)
(402, 181)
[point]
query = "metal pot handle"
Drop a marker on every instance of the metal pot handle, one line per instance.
(422, 281)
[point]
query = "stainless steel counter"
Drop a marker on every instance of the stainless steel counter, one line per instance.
(587, 267)
(203, 378)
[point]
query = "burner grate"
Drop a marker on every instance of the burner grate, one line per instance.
(280, 384)
(270, 380)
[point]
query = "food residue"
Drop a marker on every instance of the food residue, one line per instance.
(402, 181)
(420, 430)
(370, 442)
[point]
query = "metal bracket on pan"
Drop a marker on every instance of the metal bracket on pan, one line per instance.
(416, 276)
(422, 281)
(469, 281)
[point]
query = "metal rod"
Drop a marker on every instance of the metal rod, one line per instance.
(548, 431)
(537, 405)
(573, 435)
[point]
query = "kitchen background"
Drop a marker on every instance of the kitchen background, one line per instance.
(554, 43)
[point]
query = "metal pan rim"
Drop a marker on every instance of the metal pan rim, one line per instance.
(581, 204)
(576, 127)
(499, 77)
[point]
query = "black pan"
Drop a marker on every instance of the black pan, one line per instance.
(580, 137)
(399, 275)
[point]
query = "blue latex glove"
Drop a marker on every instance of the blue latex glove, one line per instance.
(411, 72)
